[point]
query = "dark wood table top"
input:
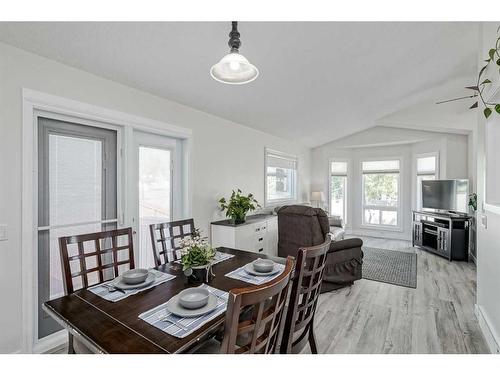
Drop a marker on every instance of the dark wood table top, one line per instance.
(114, 327)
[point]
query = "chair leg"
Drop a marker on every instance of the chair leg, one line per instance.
(71, 349)
(312, 341)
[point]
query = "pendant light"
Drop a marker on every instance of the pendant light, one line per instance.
(234, 68)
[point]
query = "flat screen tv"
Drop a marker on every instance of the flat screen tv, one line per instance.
(445, 195)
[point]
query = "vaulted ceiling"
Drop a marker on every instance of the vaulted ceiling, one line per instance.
(319, 81)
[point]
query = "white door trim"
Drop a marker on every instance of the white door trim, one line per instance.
(34, 101)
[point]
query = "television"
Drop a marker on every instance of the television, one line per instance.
(445, 195)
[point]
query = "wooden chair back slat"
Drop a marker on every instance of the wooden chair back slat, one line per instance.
(265, 304)
(306, 286)
(163, 239)
(98, 239)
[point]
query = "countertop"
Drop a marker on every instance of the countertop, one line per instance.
(251, 219)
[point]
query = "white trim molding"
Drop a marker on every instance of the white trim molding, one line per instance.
(37, 103)
(492, 338)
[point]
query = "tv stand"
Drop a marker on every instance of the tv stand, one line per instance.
(444, 234)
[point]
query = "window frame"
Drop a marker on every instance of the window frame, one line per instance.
(398, 209)
(347, 177)
(295, 185)
(416, 174)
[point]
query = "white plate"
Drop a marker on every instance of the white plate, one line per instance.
(122, 285)
(175, 307)
(249, 269)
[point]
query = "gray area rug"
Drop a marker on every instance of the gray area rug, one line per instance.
(389, 266)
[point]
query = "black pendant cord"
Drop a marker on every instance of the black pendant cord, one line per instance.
(234, 38)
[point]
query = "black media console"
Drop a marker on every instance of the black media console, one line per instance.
(444, 234)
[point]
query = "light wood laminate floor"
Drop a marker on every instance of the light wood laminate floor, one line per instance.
(374, 317)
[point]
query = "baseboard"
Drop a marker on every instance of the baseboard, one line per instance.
(490, 336)
(51, 343)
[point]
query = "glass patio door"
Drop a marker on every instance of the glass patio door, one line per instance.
(76, 195)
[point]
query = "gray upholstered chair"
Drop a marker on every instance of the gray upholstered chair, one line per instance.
(303, 226)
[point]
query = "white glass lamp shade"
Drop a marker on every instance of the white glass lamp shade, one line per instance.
(317, 196)
(234, 69)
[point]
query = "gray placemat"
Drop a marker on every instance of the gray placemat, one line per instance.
(184, 326)
(241, 274)
(114, 296)
(389, 266)
(221, 257)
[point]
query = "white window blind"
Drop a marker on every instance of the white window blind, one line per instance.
(281, 177)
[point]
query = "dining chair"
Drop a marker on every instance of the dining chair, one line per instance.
(305, 290)
(165, 239)
(257, 331)
(93, 258)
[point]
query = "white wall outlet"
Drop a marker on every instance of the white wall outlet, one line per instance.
(3, 232)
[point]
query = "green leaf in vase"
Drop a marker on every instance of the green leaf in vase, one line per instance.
(487, 112)
(492, 53)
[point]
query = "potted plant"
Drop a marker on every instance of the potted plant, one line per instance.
(197, 257)
(238, 206)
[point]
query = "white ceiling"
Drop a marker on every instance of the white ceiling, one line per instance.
(319, 81)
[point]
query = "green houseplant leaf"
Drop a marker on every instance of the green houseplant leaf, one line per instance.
(487, 112)
(497, 108)
(491, 53)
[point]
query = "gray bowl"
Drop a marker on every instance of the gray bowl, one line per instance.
(263, 265)
(193, 298)
(135, 276)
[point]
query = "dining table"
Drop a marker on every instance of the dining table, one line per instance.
(115, 327)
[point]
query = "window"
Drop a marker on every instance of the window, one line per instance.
(281, 177)
(381, 193)
(338, 189)
(426, 170)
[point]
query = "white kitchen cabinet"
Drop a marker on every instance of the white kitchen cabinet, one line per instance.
(258, 234)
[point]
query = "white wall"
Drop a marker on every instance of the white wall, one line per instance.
(488, 254)
(383, 142)
(225, 155)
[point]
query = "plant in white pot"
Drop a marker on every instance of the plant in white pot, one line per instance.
(238, 206)
(196, 257)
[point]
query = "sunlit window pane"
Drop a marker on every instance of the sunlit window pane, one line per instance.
(338, 196)
(154, 195)
(281, 178)
(381, 189)
(381, 192)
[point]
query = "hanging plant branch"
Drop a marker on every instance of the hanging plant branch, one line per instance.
(493, 58)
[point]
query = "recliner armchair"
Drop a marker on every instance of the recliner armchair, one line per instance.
(303, 226)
